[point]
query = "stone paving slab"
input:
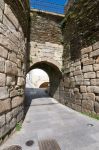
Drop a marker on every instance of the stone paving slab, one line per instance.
(47, 119)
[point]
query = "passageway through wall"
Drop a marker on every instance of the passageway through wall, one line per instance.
(51, 83)
(37, 78)
(37, 83)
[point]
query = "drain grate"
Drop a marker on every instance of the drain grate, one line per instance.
(90, 125)
(13, 147)
(48, 144)
(29, 143)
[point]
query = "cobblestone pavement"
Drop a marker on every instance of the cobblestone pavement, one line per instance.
(47, 119)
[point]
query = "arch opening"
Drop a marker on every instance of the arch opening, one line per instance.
(37, 78)
(48, 80)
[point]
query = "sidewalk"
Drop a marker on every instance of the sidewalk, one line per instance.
(47, 119)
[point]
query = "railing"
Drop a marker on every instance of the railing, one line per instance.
(45, 5)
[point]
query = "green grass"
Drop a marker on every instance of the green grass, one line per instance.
(91, 115)
(18, 126)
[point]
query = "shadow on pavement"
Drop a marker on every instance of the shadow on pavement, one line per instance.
(32, 94)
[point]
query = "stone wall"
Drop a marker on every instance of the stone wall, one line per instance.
(45, 27)
(46, 38)
(13, 40)
(47, 51)
(81, 57)
(46, 44)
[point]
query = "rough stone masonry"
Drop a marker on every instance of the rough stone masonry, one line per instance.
(13, 41)
(81, 56)
(46, 47)
(78, 62)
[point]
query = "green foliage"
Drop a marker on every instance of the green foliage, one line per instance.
(95, 116)
(21, 3)
(62, 24)
(18, 126)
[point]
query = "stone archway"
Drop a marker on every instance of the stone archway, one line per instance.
(54, 74)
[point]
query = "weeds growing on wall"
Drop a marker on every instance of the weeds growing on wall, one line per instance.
(18, 126)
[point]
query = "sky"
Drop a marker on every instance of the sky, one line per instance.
(49, 5)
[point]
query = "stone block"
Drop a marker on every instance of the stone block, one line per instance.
(3, 52)
(10, 80)
(71, 68)
(11, 68)
(3, 28)
(78, 96)
(78, 83)
(20, 116)
(86, 50)
(90, 89)
(83, 89)
(78, 68)
(2, 79)
(79, 78)
(8, 23)
(21, 81)
(71, 74)
(94, 81)
(78, 102)
(94, 53)
(4, 41)
(12, 57)
(89, 62)
(76, 90)
(4, 93)
(96, 107)
(8, 12)
(7, 43)
(2, 66)
(13, 93)
(96, 67)
(78, 63)
(16, 110)
(87, 68)
(72, 79)
(84, 59)
(76, 107)
(94, 89)
(97, 74)
(8, 117)
(97, 98)
(4, 130)
(89, 96)
(1, 14)
(77, 73)
(97, 60)
(19, 63)
(86, 82)
(2, 120)
(90, 75)
(2, 4)
(88, 105)
(13, 123)
(96, 46)
(84, 56)
(5, 105)
(20, 72)
(16, 101)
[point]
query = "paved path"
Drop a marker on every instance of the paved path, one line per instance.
(46, 118)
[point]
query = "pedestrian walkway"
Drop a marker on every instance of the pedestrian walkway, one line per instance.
(47, 119)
